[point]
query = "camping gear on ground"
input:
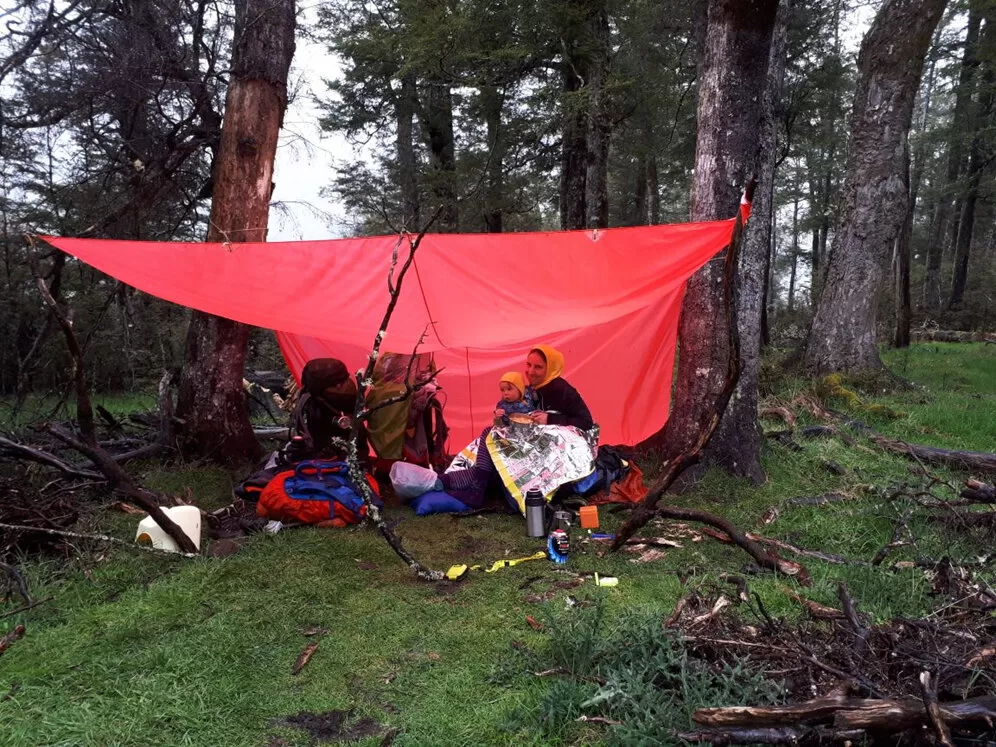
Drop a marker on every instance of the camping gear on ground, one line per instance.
(412, 429)
(437, 502)
(323, 412)
(544, 457)
(315, 492)
(609, 299)
(589, 517)
(411, 480)
(456, 571)
(188, 518)
(535, 513)
(562, 520)
(558, 546)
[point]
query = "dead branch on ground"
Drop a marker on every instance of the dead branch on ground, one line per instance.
(97, 538)
(764, 558)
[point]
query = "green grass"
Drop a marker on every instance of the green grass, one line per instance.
(136, 649)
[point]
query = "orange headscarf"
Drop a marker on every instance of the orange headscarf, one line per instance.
(554, 363)
(516, 379)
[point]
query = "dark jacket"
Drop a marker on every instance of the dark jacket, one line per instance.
(570, 409)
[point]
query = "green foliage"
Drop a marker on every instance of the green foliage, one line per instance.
(142, 649)
(632, 671)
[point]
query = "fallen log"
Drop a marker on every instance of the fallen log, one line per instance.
(21, 451)
(845, 712)
(810, 712)
(744, 736)
(979, 461)
(979, 492)
(12, 636)
(899, 715)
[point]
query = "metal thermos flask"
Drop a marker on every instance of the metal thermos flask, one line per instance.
(535, 507)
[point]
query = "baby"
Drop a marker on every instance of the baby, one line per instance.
(515, 396)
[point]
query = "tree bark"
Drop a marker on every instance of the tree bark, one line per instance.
(211, 404)
(978, 157)
(794, 260)
(492, 102)
(599, 124)
(574, 143)
(729, 150)
(404, 108)
(442, 146)
(956, 162)
(874, 201)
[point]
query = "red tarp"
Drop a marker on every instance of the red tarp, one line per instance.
(608, 300)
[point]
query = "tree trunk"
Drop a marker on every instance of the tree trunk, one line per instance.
(733, 70)
(492, 102)
(599, 124)
(904, 303)
(404, 107)
(574, 147)
(956, 163)
(439, 131)
(874, 201)
(794, 262)
(978, 158)
(211, 403)
(901, 335)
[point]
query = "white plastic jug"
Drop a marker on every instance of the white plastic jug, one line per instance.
(188, 518)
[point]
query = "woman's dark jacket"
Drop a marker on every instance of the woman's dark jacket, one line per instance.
(570, 409)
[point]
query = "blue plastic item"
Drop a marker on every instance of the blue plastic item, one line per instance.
(437, 502)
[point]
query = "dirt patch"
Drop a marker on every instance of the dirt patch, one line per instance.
(334, 726)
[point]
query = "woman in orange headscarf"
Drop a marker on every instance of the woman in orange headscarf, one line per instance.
(558, 403)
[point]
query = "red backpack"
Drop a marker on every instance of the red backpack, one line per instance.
(315, 492)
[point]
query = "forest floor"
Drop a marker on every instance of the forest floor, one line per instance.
(132, 648)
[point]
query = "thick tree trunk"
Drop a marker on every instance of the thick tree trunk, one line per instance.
(211, 403)
(442, 145)
(733, 72)
(405, 106)
(956, 163)
(599, 125)
(842, 336)
(573, 149)
(583, 67)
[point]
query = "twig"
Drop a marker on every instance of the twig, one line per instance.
(824, 556)
(26, 607)
(364, 379)
(851, 613)
(929, 688)
(902, 527)
(98, 538)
